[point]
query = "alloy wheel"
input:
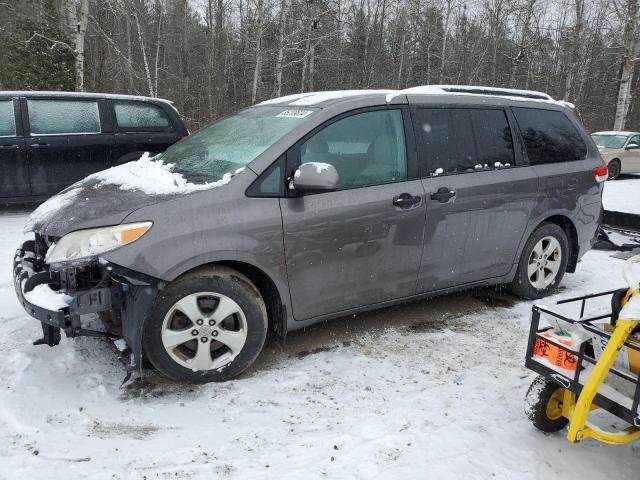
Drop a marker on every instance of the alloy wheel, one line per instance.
(204, 331)
(544, 262)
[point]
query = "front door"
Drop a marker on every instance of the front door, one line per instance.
(359, 245)
(479, 195)
(65, 144)
(14, 181)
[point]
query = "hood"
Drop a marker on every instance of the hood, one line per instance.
(87, 204)
(108, 197)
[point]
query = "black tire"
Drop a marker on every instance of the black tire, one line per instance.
(544, 398)
(614, 169)
(224, 281)
(521, 285)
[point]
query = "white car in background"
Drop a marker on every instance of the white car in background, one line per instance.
(620, 151)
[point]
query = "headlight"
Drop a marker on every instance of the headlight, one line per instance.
(94, 241)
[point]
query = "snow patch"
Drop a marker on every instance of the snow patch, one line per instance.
(152, 177)
(42, 296)
(51, 206)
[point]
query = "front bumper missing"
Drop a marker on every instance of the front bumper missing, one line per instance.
(121, 298)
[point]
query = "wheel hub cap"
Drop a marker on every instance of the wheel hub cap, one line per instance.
(544, 262)
(204, 331)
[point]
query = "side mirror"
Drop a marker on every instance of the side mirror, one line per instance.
(315, 177)
(632, 146)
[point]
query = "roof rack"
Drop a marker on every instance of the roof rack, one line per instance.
(498, 92)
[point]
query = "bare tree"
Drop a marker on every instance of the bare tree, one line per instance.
(629, 14)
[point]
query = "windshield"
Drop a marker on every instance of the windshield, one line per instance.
(609, 141)
(233, 142)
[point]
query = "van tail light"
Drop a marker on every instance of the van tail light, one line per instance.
(601, 173)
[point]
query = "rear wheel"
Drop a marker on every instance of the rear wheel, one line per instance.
(614, 169)
(544, 405)
(542, 263)
(207, 326)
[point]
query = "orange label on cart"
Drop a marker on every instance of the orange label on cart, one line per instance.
(553, 354)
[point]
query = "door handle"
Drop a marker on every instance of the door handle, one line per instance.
(443, 194)
(8, 147)
(39, 145)
(405, 200)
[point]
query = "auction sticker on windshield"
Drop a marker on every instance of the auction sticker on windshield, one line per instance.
(295, 113)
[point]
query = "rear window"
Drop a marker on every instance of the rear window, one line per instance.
(7, 119)
(48, 117)
(549, 136)
(457, 140)
(140, 116)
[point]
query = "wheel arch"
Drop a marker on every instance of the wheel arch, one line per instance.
(570, 231)
(276, 308)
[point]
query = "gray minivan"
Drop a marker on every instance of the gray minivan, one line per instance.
(310, 207)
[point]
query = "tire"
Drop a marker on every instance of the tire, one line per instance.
(544, 405)
(531, 286)
(614, 169)
(219, 336)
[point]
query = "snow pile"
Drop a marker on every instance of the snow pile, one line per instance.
(42, 296)
(153, 177)
(631, 309)
(51, 206)
(622, 195)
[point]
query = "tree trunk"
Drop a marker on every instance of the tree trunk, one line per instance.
(258, 64)
(144, 55)
(576, 40)
(627, 66)
(280, 57)
(77, 29)
(443, 46)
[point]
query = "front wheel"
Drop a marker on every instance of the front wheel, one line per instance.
(207, 326)
(542, 263)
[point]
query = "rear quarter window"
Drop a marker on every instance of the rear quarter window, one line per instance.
(50, 117)
(140, 116)
(549, 136)
(7, 119)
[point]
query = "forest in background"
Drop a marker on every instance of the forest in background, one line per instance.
(212, 57)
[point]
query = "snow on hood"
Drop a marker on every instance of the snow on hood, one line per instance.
(152, 177)
(112, 194)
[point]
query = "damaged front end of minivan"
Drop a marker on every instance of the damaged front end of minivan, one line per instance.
(84, 296)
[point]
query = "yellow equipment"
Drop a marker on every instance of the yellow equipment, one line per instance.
(573, 378)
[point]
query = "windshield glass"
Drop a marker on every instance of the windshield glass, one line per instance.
(232, 142)
(609, 141)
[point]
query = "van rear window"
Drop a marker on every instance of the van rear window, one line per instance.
(140, 116)
(549, 136)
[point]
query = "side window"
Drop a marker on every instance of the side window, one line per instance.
(366, 148)
(493, 138)
(271, 181)
(48, 117)
(7, 119)
(457, 140)
(635, 139)
(140, 116)
(549, 136)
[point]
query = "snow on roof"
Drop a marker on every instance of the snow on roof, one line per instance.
(43, 93)
(314, 98)
(615, 132)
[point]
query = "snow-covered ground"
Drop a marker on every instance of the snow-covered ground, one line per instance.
(433, 389)
(623, 195)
